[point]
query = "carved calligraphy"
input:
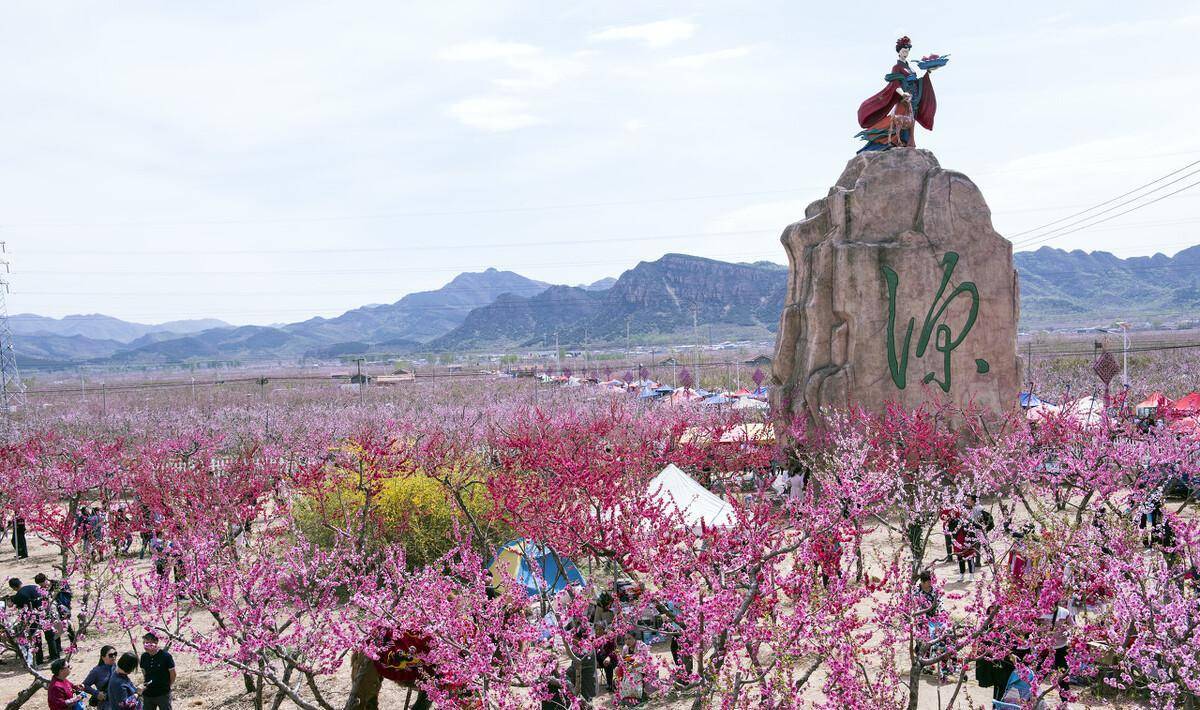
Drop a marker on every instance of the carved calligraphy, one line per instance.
(944, 339)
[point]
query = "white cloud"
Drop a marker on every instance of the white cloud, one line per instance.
(488, 49)
(699, 61)
(494, 114)
(534, 69)
(652, 34)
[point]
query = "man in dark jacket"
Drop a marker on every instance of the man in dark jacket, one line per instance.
(28, 599)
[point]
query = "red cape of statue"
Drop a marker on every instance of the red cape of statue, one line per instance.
(875, 108)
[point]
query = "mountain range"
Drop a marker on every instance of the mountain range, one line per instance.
(1061, 288)
(668, 300)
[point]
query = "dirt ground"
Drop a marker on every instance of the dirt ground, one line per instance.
(211, 688)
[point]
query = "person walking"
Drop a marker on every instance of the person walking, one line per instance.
(60, 692)
(95, 533)
(122, 693)
(158, 671)
(96, 682)
(949, 518)
(60, 594)
(52, 623)
(965, 549)
(18, 538)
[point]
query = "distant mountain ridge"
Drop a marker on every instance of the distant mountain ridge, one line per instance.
(676, 297)
(101, 327)
(1061, 288)
(671, 295)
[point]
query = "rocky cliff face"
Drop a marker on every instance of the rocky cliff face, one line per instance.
(664, 295)
(655, 298)
(899, 290)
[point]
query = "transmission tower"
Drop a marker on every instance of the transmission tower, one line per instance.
(12, 392)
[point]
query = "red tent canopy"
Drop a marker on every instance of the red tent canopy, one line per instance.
(1187, 404)
(1187, 425)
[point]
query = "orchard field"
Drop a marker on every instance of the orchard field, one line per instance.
(300, 540)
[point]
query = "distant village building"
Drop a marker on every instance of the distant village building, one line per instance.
(397, 376)
(760, 361)
(669, 362)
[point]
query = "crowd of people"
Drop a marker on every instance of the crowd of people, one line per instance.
(43, 614)
(1013, 675)
(109, 685)
(40, 616)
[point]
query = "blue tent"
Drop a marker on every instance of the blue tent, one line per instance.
(1029, 399)
(718, 399)
(647, 393)
(518, 560)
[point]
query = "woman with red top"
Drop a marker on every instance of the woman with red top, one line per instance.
(905, 97)
(61, 693)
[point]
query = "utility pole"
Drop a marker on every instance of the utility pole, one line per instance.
(627, 355)
(1124, 353)
(103, 401)
(696, 346)
(557, 351)
(360, 381)
(193, 390)
(12, 391)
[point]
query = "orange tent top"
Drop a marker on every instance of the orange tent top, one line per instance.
(1156, 400)
(1187, 403)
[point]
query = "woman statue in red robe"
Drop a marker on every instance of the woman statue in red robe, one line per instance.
(887, 117)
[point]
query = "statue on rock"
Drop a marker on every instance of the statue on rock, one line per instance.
(900, 292)
(888, 117)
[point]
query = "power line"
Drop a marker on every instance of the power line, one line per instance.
(403, 215)
(529, 208)
(1119, 214)
(310, 272)
(614, 365)
(401, 248)
(1111, 200)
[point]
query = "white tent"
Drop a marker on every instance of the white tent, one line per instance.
(696, 504)
(750, 403)
(1088, 411)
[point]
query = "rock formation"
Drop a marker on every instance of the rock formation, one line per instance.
(899, 290)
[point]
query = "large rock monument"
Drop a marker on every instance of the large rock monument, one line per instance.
(899, 290)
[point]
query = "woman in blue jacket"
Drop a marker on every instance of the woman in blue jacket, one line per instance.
(96, 683)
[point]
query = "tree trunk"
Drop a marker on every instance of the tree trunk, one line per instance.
(258, 687)
(277, 702)
(364, 685)
(24, 696)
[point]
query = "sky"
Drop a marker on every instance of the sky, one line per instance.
(266, 162)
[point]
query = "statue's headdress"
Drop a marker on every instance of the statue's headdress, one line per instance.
(903, 42)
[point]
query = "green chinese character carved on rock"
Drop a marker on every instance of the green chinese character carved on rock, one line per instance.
(943, 339)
